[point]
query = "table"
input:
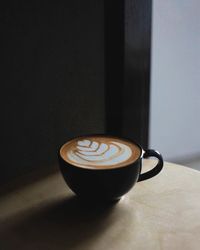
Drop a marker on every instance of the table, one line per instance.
(160, 213)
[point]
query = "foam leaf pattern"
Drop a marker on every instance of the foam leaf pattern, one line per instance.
(95, 153)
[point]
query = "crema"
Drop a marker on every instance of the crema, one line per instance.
(100, 152)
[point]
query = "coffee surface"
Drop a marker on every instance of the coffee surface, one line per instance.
(100, 152)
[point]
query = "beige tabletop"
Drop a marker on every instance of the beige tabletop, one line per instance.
(160, 213)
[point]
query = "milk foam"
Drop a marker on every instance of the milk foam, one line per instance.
(94, 153)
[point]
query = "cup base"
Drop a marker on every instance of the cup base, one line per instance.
(98, 201)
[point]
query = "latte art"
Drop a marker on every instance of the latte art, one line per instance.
(96, 153)
(100, 152)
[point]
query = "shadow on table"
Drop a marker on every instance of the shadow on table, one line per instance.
(64, 224)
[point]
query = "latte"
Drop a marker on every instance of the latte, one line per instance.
(100, 152)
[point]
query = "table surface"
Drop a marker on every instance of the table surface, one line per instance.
(160, 213)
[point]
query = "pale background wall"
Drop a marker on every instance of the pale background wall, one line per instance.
(175, 79)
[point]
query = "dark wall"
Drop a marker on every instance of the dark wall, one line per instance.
(127, 52)
(71, 68)
(52, 84)
(138, 14)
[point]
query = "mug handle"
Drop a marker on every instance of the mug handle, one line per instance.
(151, 173)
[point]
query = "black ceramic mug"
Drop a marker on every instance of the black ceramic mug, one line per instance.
(104, 168)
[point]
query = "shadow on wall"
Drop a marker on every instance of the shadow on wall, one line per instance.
(52, 85)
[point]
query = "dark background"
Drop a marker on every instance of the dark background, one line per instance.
(71, 68)
(52, 85)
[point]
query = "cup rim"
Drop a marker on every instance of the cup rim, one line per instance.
(101, 135)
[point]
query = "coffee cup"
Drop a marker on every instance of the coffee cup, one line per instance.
(104, 168)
